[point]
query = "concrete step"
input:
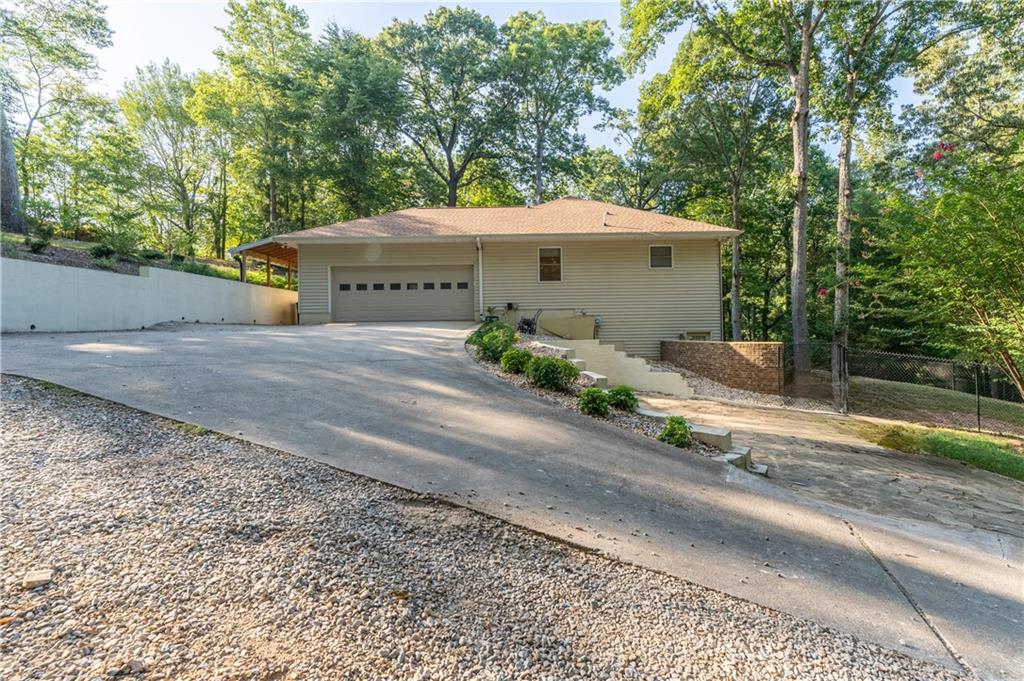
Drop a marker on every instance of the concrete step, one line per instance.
(720, 438)
(580, 364)
(758, 468)
(598, 380)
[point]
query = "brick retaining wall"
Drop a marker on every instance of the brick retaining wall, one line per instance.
(749, 366)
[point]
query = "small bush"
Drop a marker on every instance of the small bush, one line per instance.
(177, 258)
(593, 402)
(10, 247)
(622, 397)
(478, 335)
(122, 241)
(105, 263)
(676, 432)
(496, 343)
(37, 244)
(102, 250)
(515, 360)
(552, 373)
(152, 254)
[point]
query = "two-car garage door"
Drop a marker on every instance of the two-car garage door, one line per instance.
(413, 293)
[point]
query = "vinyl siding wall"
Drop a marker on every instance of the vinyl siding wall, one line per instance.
(315, 262)
(640, 306)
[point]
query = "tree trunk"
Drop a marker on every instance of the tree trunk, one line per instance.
(538, 168)
(841, 309)
(1013, 372)
(734, 302)
(222, 227)
(453, 192)
(272, 200)
(11, 219)
(800, 128)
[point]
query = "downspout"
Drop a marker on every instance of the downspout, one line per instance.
(480, 274)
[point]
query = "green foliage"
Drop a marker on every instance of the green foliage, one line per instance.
(484, 329)
(496, 343)
(623, 397)
(152, 254)
(123, 242)
(515, 360)
(987, 453)
(105, 263)
(10, 246)
(102, 250)
(552, 373)
(37, 244)
(593, 402)
(676, 432)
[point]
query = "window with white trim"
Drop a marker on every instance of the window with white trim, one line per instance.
(549, 264)
(660, 257)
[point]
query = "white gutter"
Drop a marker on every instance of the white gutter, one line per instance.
(480, 273)
(575, 236)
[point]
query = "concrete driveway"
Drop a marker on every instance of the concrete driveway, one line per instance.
(404, 404)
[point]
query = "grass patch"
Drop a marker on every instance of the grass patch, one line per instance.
(192, 428)
(56, 389)
(887, 398)
(993, 454)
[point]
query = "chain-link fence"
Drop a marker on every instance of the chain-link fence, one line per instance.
(910, 387)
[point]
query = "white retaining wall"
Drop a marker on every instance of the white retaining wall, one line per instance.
(58, 298)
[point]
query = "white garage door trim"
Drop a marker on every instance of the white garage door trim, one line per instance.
(401, 293)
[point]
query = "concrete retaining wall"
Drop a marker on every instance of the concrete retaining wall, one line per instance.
(57, 298)
(749, 366)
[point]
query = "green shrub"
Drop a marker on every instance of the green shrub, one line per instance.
(478, 335)
(496, 343)
(593, 402)
(515, 360)
(37, 244)
(105, 263)
(122, 241)
(552, 373)
(151, 254)
(622, 397)
(676, 432)
(10, 247)
(102, 250)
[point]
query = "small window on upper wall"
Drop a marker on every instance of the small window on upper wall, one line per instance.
(344, 287)
(549, 264)
(661, 257)
(396, 287)
(360, 287)
(378, 287)
(445, 285)
(462, 285)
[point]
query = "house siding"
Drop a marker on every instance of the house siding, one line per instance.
(639, 306)
(315, 262)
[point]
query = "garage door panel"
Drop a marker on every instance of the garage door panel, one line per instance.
(410, 293)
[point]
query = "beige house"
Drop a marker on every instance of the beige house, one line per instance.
(593, 269)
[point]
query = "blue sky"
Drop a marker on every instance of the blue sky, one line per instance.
(185, 31)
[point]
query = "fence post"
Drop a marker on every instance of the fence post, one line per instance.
(977, 392)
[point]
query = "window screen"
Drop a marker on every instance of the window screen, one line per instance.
(661, 256)
(549, 263)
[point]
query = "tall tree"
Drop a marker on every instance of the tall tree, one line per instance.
(639, 177)
(454, 75)
(556, 70)
(719, 118)
(11, 218)
(774, 35)
(154, 106)
(266, 42)
(45, 47)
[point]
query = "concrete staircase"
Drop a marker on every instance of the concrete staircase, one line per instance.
(617, 367)
(720, 438)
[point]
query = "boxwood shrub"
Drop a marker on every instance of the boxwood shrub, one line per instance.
(484, 329)
(622, 397)
(514, 360)
(552, 373)
(593, 402)
(676, 432)
(496, 343)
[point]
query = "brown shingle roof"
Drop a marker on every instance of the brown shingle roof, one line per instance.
(569, 216)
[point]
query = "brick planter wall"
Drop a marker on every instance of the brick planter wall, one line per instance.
(749, 366)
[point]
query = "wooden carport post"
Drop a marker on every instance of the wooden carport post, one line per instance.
(268, 270)
(241, 267)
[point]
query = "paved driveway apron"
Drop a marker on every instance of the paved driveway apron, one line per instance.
(404, 404)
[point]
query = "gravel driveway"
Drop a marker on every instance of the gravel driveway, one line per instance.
(179, 554)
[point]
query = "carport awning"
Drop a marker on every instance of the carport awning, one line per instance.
(276, 252)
